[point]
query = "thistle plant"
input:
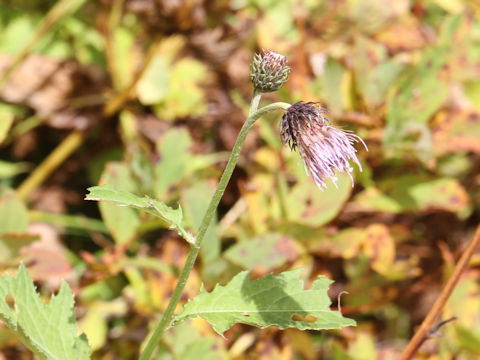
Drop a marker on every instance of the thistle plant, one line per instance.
(279, 300)
(324, 149)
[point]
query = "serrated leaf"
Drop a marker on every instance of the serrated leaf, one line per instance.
(124, 198)
(278, 301)
(48, 330)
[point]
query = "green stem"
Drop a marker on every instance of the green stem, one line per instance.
(253, 115)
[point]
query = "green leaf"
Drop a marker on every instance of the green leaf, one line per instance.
(122, 222)
(185, 97)
(308, 205)
(373, 72)
(331, 83)
(16, 34)
(414, 193)
(48, 330)
(196, 199)
(264, 253)
(9, 169)
(421, 93)
(185, 342)
(123, 42)
(124, 198)
(468, 340)
(153, 86)
(13, 215)
(6, 121)
(205, 349)
(278, 301)
(173, 149)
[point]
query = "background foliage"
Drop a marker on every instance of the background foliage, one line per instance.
(403, 74)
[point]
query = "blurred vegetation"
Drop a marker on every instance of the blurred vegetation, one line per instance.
(148, 96)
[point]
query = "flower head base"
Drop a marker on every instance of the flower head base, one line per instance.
(324, 148)
(269, 71)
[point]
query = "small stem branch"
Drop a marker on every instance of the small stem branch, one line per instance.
(434, 312)
(207, 218)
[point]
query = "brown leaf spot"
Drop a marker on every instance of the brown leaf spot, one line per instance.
(309, 318)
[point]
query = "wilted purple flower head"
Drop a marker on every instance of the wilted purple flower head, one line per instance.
(269, 71)
(324, 148)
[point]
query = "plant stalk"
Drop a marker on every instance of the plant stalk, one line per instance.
(253, 115)
(437, 307)
(71, 143)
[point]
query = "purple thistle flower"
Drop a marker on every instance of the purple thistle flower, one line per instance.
(324, 148)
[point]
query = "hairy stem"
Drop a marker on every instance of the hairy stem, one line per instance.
(207, 218)
(434, 312)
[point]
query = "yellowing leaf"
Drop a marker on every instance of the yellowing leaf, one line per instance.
(153, 86)
(185, 95)
(379, 246)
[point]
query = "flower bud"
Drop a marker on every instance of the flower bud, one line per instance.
(269, 71)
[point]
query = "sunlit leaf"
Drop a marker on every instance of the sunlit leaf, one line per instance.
(457, 131)
(153, 86)
(13, 215)
(196, 199)
(307, 204)
(421, 93)
(380, 248)
(185, 97)
(373, 72)
(6, 121)
(278, 301)
(264, 253)
(123, 198)
(174, 151)
(48, 330)
(9, 169)
(414, 193)
(122, 222)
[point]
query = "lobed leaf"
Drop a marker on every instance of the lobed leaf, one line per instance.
(48, 330)
(279, 300)
(124, 198)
